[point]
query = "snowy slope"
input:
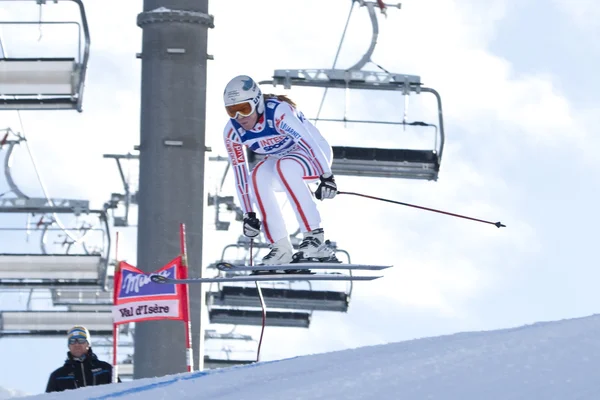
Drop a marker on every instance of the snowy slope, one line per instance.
(554, 360)
(9, 394)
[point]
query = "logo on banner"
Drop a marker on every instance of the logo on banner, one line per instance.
(143, 310)
(137, 285)
(146, 310)
(137, 298)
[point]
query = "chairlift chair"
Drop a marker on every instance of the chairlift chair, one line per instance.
(45, 83)
(78, 297)
(212, 334)
(217, 200)
(88, 268)
(297, 299)
(310, 299)
(52, 271)
(423, 164)
(253, 317)
(52, 322)
(127, 197)
(216, 363)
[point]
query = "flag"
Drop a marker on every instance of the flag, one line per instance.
(137, 298)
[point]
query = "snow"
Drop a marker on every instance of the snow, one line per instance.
(9, 394)
(159, 10)
(546, 360)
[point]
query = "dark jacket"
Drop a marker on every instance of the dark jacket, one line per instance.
(75, 373)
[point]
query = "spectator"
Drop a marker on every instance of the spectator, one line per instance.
(82, 367)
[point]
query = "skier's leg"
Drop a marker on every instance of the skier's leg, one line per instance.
(291, 170)
(314, 245)
(263, 181)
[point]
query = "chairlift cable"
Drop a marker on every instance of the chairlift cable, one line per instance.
(43, 186)
(40, 22)
(224, 176)
(380, 67)
(335, 60)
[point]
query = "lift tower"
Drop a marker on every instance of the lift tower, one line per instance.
(172, 147)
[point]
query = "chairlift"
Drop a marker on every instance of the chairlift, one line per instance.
(253, 317)
(22, 203)
(217, 200)
(52, 271)
(89, 307)
(45, 83)
(423, 164)
(216, 363)
(128, 198)
(212, 334)
(249, 316)
(76, 268)
(78, 297)
(228, 201)
(239, 296)
(52, 322)
(277, 297)
(229, 353)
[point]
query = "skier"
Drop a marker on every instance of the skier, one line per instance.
(295, 154)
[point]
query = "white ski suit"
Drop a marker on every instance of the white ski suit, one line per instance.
(295, 154)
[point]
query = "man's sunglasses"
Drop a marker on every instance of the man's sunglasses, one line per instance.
(77, 341)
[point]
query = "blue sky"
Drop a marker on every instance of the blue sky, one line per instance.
(518, 87)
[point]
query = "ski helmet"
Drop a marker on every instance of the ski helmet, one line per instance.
(243, 96)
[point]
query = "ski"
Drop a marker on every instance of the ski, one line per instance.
(227, 267)
(156, 278)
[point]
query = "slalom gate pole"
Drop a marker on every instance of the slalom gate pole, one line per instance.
(497, 224)
(189, 351)
(115, 371)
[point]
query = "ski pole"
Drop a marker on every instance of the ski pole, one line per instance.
(497, 224)
(262, 306)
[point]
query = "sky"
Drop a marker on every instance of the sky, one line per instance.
(546, 360)
(518, 89)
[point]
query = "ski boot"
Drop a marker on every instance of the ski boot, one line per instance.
(281, 253)
(314, 248)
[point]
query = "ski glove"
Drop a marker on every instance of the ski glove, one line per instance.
(251, 225)
(327, 188)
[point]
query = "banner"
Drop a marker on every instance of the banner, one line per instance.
(137, 298)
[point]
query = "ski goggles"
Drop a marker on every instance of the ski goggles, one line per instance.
(242, 109)
(77, 340)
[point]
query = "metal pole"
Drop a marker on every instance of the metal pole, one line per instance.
(172, 147)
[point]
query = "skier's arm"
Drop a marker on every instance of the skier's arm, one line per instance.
(239, 166)
(290, 124)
